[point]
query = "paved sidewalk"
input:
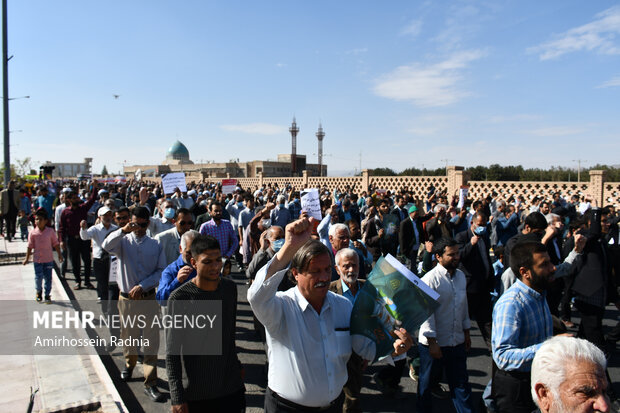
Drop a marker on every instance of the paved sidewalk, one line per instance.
(64, 382)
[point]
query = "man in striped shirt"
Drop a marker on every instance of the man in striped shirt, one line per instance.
(521, 323)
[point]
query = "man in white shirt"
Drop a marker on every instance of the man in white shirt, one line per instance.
(307, 327)
(444, 336)
(170, 239)
(101, 259)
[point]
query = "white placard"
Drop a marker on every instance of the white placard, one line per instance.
(172, 181)
(114, 270)
(229, 186)
(311, 203)
(462, 196)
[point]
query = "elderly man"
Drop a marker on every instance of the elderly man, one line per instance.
(170, 239)
(179, 271)
(307, 327)
(568, 375)
(347, 265)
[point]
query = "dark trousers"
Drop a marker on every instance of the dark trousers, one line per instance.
(79, 248)
(390, 375)
(101, 266)
(276, 404)
(232, 403)
(454, 363)
(565, 311)
(591, 326)
(479, 306)
(353, 386)
(10, 219)
(512, 393)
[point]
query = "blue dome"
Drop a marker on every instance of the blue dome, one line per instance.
(178, 150)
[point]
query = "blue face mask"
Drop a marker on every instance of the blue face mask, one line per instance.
(282, 205)
(277, 244)
(169, 213)
(480, 231)
(240, 204)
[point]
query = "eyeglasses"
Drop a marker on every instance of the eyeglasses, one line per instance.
(186, 223)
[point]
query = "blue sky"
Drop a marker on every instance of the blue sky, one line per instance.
(404, 83)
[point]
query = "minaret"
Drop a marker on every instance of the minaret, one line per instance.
(320, 135)
(294, 130)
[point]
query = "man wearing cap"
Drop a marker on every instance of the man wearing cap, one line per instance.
(101, 258)
(411, 235)
(103, 195)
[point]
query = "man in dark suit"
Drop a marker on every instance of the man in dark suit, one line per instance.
(476, 263)
(411, 235)
(348, 285)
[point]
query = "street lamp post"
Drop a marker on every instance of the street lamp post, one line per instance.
(5, 96)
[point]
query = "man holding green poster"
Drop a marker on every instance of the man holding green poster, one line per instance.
(307, 327)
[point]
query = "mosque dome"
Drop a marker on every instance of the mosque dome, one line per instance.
(178, 150)
(177, 154)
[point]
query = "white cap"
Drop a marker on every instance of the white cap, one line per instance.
(103, 210)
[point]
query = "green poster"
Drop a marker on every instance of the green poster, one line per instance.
(392, 297)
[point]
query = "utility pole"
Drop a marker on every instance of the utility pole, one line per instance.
(294, 130)
(446, 161)
(5, 96)
(578, 168)
(360, 162)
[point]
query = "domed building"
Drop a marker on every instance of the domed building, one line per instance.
(177, 155)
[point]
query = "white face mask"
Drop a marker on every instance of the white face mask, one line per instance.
(266, 223)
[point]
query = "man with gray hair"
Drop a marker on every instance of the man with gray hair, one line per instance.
(568, 375)
(339, 238)
(280, 216)
(178, 272)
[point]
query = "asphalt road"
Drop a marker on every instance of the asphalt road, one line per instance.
(253, 358)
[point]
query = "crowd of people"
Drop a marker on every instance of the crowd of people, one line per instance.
(520, 268)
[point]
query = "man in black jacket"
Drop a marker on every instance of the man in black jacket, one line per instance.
(411, 235)
(476, 263)
(594, 285)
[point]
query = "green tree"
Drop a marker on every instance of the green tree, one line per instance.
(104, 171)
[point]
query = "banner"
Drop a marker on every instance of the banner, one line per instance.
(229, 186)
(172, 181)
(311, 203)
(392, 297)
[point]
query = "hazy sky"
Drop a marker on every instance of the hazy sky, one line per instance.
(406, 83)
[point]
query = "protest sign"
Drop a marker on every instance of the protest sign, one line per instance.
(114, 270)
(172, 181)
(229, 186)
(311, 203)
(462, 196)
(392, 297)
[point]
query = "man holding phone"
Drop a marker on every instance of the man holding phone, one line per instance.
(141, 262)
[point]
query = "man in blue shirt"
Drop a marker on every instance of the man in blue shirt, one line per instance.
(521, 323)
(178, 272)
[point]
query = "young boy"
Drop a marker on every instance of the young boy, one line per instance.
(44, 241)
(22, 221)
(204, 391)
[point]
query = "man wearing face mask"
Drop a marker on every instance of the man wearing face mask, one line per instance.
(476, 263)
(280, 216)
(168, 212)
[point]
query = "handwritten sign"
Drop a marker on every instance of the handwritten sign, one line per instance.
(172, 181)
(311, 203)
(462, 196)
(228, 186)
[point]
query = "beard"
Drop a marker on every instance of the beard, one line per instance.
(350, 278)
(541, 282)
